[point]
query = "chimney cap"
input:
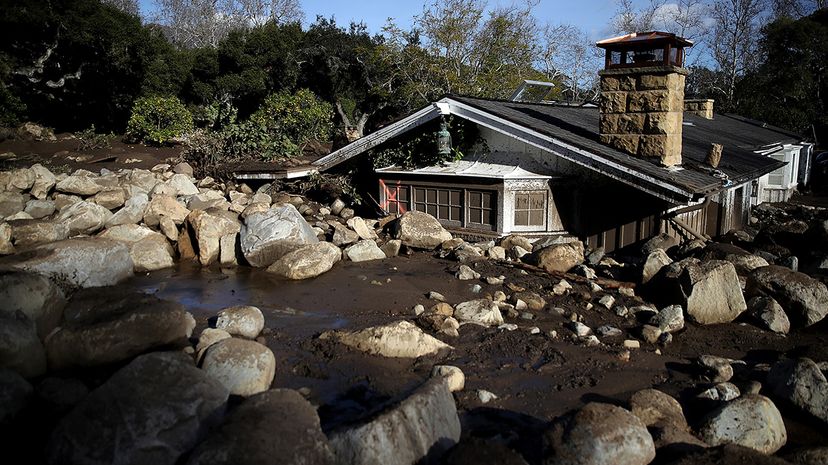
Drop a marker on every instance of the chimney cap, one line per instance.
(644, 38)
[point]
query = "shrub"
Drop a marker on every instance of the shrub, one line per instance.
(292, 121)
(158, 120)
(88, 139)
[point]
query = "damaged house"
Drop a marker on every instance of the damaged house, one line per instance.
(644, 161)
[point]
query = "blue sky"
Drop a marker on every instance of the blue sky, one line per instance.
(590, 15)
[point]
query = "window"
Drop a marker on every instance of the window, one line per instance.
(481, 211)
(443, 204)
(777, 177)
(397, 199)
(530, 209)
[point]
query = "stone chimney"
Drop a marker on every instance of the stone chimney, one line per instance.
(700, 107)
(642, 95)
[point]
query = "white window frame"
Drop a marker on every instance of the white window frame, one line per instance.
(527, 228)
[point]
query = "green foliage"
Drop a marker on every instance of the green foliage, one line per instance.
(11, 108)
(419, 148)
(89, 139)
(327, 187)
(158, 120)
(293, 120)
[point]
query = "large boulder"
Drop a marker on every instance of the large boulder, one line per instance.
(79, 184)
(27, 233)
(804, 299)
(40, 299)
(363, 251)
(481, 311)
(209, 228)
(267, 236)
(256, 433)
(656, 260)
(152, 411)
(44, 181)
(742, 260)
(99, 331)
(654, 407)
(82, 262)
(38, 209)
(20, 180)
(750, 421)
(769, 314)
(148, 249)
(20, 348)
(14, 395)
(420, 429)
(560, 257)
(241, 320)
(182, 185)
(244, 367)
(6, 246)
(164, 205)
(132, 211)
(400, 339)
(709, 291)
(599, 434)
(419, 230)
(11, 203)
(801, 383)
(308, 261)
(84, 217)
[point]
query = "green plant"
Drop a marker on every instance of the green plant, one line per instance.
(158, 120)
(293, 120)
(419, 148)
(88, 139)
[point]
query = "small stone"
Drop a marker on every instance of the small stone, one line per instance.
(621, 310)
(626, 291)
(495, 281)
(434, 295)
(508, 327)
(594, 288)
(632, 344)
(607, 301)
(669, 319)
(717, 369)
(244, 367)
(579, 328)
(650, 334)
(608, 331)
(454, 376)
(418, 310)
(562, 287)
(466, 273)
(534, 330)
(476, 289)
(499, 296)
(520, 305)
(485, 396)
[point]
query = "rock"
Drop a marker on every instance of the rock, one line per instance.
(475, 451)
(813, 456)
(207, 338)
(61, 394)
(728, 454)
(164, 205)
(38, 209)
(132, 211)
(485, 396)
(454, 377)
(256, 433)
(742, 260)
(209, 228)
(20, 348)
(182, 185)
(480, 311)
(109, 199)
(84, 217)
(496, 253)
(709, 291)
(244, 367)
(38, 298)
(358, 225)
(561, 287)
(769, 314)
(717, 369)
(663, 241)
(343, 236)
(599, 434)
(533, 301)
(130, 420)
(117, 329)
(669, 319)
(420, 429)
(465, 273)
(19, 180)
(148, 249)
(19, 216)
(364, 251)
(15, 392)
(44, 181)
(801, 383)
(267, 236)
(11, 203)
(419, 230)
(580, 329)
(6, 246)
(35, 232)
(400, 339)
(804, 299)
(724, 392)
(750, 421)
(346, 213)
(654, 407)
(337, 206)
(515, 240)
(82, 262)
(607, 301)
(391, 248)
(650, 334)
(655, 261)
(559, 257)
(608, 331)
(307, 261)
(241, 320)
(62, 200)
(79, 185)
(434, 295)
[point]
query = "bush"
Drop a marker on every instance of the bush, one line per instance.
(88, 139)
(291, 121)
(158, 120)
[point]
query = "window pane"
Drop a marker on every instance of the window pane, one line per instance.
(443, 213)
(536, 218)
(403, 194)
(455, 197)
(537, 201)
(442, 197)
(487, 200)
(419, 195)
(431, 196)
(455, 213)
(431, 209)
(474, 199)
(521, 218)
(521, 201)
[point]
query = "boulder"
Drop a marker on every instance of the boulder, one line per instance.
(20, 180)
(84, 217)
(482, 311)
(6, 246)
(209, 228)
(182, 185)
(769, 314)
(82, 262)
(401, 339)
(38, 209)
(139, 181)
(267, 236)
(419, 230)
(709, 291)
(804, 299)
(241, 320)
(363, 231)
(44, 181)
(655, 261)
(363, 251)
(79, 185)
(599, 434)
(27, 233)
(509, 242)
(207, 338)
(742, 260)
(164, 205)
(244, 367)
(20, 348)
(15, 392)
(342, 235)
(420, 429)
(669, 319)
(801, 383)
(60, 395)
(715, 369)
(128, 420)
(63, 200)
(110, 198)
(256, 433)
(132, 211)
(559, 257)
(750, 421)
(663, 241)
(454, 377)
(112, 330)
(654, 407)
(11, 203)
(307, 261)
(465, 273)
(148, 249)
(38, 298)
(391, 248)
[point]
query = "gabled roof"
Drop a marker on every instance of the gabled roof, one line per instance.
(639, 37)
(572, 134)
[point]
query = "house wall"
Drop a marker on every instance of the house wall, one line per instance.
(770, 190)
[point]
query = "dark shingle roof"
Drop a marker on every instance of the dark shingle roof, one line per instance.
(578, 126)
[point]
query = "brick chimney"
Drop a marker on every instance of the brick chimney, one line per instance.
(700, 107)
(642, 95)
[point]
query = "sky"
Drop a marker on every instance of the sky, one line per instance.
(592, 16)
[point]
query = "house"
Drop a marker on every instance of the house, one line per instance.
(643, 161)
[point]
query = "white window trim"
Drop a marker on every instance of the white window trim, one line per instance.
(536, 228)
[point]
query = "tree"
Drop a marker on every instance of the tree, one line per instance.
(258, 12)
(127, 6)
(629, 19)
(569, 58)
(736, 36)
(797, 8)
